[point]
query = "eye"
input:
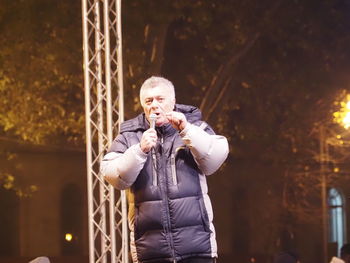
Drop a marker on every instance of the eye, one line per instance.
(148, 101)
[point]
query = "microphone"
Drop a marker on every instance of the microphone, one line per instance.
(152, 124)
(152, 120)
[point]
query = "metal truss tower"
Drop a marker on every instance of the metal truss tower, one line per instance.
(103, 83)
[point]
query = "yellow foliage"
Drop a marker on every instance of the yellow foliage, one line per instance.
(342, 116)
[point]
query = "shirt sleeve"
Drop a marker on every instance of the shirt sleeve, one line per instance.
(121, 166)
(208, 150)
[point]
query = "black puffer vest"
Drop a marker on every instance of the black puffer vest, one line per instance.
(167, 214)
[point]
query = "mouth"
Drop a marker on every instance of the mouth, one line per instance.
(156, 113)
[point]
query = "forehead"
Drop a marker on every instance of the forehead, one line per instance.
(160, 90)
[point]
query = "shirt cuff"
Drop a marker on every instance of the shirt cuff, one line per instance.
(139, 152)
(185, 130)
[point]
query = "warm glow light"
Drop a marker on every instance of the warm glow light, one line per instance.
(343, 115)
(69, 237)
(346, 120)
(336, 170)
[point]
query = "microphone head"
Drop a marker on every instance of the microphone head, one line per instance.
(152, 120)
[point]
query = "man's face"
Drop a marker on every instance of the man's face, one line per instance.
(158, 100)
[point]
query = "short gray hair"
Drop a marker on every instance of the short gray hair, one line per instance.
(153, 82)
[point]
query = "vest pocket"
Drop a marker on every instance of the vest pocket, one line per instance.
(154, 168)
(205, 218)
(173, 169)
(136, 224)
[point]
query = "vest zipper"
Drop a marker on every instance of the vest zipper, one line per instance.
(169, 234)
(164, 189)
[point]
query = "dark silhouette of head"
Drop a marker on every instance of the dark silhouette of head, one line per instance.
(286, 257)
(345, 253)
(40, 260)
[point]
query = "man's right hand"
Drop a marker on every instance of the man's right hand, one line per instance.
(148, 140)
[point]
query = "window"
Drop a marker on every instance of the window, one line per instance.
(9, 224)
(71, 216)
(336, 217)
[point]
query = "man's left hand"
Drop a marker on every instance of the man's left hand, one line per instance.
(177, 120)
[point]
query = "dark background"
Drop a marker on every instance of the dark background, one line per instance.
(266, 74)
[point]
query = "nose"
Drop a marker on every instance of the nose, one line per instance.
(154, 104)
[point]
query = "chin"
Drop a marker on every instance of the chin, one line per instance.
(160, 123)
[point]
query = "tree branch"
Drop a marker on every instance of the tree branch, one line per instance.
(223, 73)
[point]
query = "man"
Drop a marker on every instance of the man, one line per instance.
(170, 214)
